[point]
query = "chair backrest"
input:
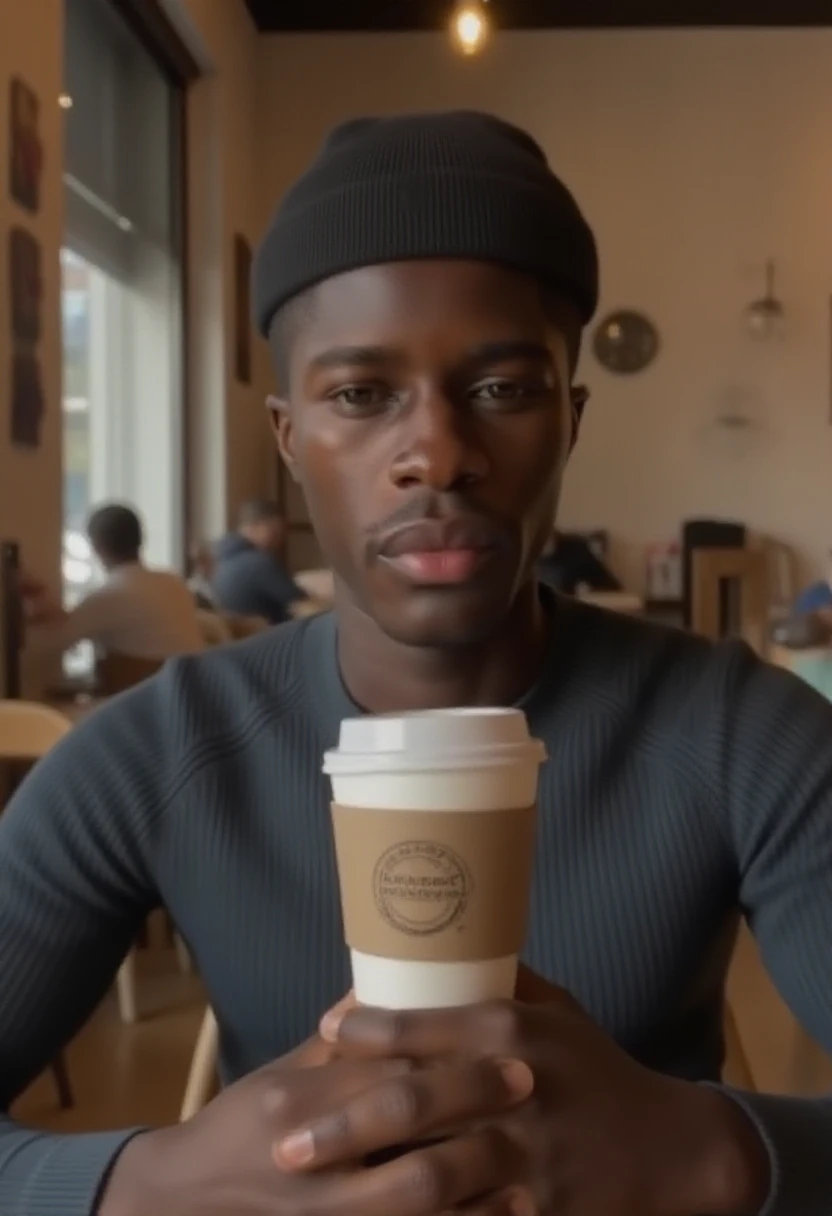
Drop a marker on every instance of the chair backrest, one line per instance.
(742, 574)
(28, 730)
(705, 534)
(116, 672)
(202, 1076)
(737, 1068)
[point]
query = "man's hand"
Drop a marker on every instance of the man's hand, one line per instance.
(601, 1136)
(239, 1156)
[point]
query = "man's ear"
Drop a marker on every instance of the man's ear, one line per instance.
(281, 424)
(578, 396)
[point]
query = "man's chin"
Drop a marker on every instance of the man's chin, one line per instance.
(442, 619)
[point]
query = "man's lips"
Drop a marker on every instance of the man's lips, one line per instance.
(440, 567)
(440, 552)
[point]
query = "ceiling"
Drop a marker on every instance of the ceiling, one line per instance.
(273, 16)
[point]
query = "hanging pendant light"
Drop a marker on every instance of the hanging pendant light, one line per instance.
(470, 26)
(766, 318)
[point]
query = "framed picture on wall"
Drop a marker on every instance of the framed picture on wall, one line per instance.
(25, 147)
(28, 405)
(242, 310)
(25, 287)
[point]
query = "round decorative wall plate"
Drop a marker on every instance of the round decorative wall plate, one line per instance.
(626, 342)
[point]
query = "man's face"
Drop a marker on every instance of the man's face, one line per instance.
(267, 534)
(429, 420)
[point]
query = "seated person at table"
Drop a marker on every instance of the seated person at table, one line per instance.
(249, 576)
(424, 288)
(816, 598)
(570, 566)
(139, 612)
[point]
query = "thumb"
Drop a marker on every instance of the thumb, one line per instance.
(316, 1051)
(333, 1017)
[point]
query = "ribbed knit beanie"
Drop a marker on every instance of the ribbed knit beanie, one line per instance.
(452, 185)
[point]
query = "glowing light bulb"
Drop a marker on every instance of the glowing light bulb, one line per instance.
(469, 27)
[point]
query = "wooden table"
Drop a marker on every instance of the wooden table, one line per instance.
(75, 710)
(785, 656)
(615, 601)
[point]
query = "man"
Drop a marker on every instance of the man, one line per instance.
(569, 565)
(249, 576)
(424, 287)
(143, 613)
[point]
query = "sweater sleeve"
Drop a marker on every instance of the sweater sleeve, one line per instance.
(773, 769)
(77, 845)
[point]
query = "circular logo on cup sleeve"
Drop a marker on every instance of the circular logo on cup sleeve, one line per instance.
(421, 887)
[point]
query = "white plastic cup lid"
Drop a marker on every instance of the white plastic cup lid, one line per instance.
(433, 741)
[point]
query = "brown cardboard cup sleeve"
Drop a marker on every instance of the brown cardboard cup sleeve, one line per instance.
(435, 886)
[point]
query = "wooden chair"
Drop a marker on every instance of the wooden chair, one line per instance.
(202, 1078)
(215, 628)
(730, 595)
(737, 1070)
(116, 673)
(27, 732)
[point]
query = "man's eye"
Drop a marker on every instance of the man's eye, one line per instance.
(360, 398)
(505, 391)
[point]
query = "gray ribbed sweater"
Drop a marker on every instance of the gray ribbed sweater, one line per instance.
(684, 783)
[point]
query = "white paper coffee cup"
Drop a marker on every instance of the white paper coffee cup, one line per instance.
(392, 778)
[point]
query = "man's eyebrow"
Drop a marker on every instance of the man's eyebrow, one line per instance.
(503, 352)
(352, 356)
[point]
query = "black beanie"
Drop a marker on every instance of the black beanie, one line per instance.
(453, 185)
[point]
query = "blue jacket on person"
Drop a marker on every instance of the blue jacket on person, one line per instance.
(252, 582)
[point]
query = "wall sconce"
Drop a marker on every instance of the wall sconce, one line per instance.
(765, 318)
(470, 26)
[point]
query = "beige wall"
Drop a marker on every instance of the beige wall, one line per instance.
(697, 155)
(31, 45)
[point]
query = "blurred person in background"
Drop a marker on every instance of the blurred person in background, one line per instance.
(250, 578)
(137, 611)
(570, 566)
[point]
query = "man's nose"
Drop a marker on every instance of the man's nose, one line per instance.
(438, 448)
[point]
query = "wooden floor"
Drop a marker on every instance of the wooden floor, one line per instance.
(127, 1075)
(124, 1075)
(782, 1056)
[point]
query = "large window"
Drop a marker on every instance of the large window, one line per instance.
(78, 283)
(122, 301)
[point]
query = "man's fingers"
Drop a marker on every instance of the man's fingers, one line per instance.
(317, 1050)
(498, 1028)
(291, 1098)
(531, 989)
(428, 1180)
(406, 1109)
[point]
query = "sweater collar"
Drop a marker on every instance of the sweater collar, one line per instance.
(332, 702)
